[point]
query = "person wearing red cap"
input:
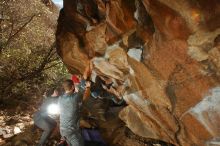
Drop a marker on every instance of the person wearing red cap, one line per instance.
(75, 79)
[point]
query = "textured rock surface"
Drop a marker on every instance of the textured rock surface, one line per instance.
(172, 92)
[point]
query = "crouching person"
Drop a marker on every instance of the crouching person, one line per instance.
(70, 105)
(46, 120)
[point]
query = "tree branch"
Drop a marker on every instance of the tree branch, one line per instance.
(41, 67)
(11, 36)
(55, 64)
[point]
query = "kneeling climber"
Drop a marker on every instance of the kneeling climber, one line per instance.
(46, 117)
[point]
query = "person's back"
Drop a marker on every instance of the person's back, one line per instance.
(70, 104)
(70, 112)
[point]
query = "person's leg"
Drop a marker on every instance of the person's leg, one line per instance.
(47, 127)
(75, 139)
(68, 142)
(45, 135)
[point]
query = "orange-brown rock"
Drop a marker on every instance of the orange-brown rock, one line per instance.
(162, 57)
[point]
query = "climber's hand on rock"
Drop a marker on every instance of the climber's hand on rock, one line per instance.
(88, 84)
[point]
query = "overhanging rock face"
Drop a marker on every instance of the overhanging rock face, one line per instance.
(170, 81)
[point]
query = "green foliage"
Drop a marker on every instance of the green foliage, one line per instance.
(28, 60)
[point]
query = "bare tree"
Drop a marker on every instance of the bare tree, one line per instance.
(28, 58)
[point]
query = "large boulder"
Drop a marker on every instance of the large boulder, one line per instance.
(162, 57)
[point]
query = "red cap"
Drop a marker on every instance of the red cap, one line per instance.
(75, 79)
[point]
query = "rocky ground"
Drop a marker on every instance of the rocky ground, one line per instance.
(18, 130)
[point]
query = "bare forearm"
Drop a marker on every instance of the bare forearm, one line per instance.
(87, 71)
